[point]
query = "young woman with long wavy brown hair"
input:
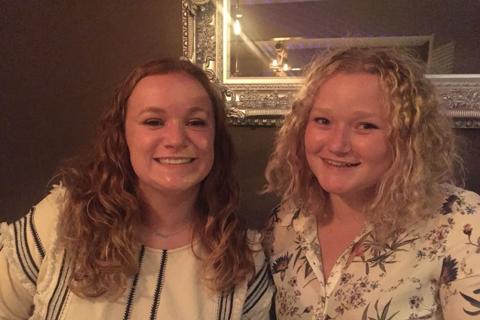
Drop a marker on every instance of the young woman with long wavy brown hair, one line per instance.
(370, 225)
(146, 225)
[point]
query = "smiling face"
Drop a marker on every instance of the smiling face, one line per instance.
(169, 129)
(346, 137)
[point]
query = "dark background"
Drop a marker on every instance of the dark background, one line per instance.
(60, 62)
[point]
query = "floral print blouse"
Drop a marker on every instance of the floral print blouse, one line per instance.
(429, 271)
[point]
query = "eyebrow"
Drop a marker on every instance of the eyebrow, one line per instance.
(160, 110)
(152, 109)
(363, 114)
(358, 114)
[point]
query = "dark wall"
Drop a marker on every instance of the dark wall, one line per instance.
(253, 147)
(469, 142)
(60, 62)
(59, 66)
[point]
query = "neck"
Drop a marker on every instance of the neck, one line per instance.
(168, 218)
(168, 211)
(347, 208)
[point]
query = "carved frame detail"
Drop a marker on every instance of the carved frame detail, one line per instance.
(257, 103)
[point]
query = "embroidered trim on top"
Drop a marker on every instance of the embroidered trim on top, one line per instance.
(60, 293)
(131, 295)
(25, 259)
(36, 238)
(256, 290)
(225, 306)
(158, 289)
(54, 253)
(24, 255)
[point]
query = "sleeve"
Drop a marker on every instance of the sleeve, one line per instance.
(260, 289)
(460, 275)
(19, 262)
(22, 251)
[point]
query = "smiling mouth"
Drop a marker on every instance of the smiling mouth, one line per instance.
(174, 160)
(341, 164)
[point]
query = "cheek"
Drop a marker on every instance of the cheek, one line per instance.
(206, 142)
(130, 144)
(138, 143)
(210, 149)
(314, 139)
(308, 138)
(131, 137)
(378, 150)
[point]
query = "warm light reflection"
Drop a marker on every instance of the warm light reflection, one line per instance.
(235, 24)
(237, 27)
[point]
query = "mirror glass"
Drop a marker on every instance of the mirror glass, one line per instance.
(257, 50)
(277, 38)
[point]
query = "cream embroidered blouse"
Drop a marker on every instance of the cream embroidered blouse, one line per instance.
(33, 280)
(430, 271)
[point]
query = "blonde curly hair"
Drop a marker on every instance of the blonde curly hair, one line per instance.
(103, 213)
(421, 139)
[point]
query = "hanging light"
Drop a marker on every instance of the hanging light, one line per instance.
(237, 27)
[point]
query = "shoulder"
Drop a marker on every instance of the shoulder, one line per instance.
(284, 218)
(284, 215)
(459, 220)
(459, 206)
(25, 242)
(286, 223)
(455, 208)
(458, 201)
(38, 227)
(46, 213)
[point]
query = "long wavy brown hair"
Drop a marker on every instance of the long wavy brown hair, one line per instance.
(421, 139)
(99, 226)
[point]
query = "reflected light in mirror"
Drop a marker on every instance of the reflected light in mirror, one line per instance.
(237, 27)
(445, 34)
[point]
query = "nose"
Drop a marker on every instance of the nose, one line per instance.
(340, 140)
(174, 135)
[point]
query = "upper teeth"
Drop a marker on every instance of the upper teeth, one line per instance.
(340, 164)
(175, 160)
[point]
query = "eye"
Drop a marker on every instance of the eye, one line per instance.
(367, 126)
(321, 121)
(197, 122)
(153, 122)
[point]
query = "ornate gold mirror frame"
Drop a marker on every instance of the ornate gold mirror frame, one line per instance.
(263, 101)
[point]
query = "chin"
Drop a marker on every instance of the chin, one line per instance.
(337, 186)
(339, 189)
(179, 187)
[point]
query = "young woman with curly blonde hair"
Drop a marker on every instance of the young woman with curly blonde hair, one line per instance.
(146, 225)
(370, 223)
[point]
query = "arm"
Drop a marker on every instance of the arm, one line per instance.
(460, 276)
(461, 299)
(16, 289)
(24, 245)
